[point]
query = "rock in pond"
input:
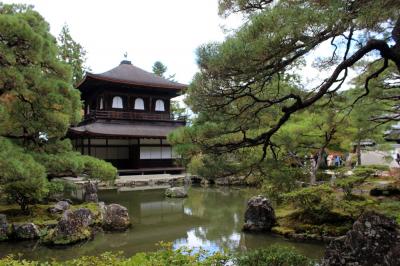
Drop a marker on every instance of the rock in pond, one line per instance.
(73, 227)
(59, 207)
(373, 240)
(26, 231)
(259, 215)
(90, 194)
(231, 181)
(115, 218)
(176, 192)
(3, 227)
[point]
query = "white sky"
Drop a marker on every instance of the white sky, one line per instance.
(149, 31)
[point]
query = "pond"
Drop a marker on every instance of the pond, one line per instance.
(210, 218)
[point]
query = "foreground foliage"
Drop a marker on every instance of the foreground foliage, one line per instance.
(274, 256)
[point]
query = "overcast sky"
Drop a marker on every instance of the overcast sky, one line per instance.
(167, 31)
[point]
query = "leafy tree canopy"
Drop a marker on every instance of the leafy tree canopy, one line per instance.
(37, 105)
(248, 92)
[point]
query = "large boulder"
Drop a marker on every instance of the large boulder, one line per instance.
(3, 227)
(259, 215)
(176, 192)
(26, 231)
(373, 240)
(73, 227)
(115, 218)
(59, 207)
(90, 192)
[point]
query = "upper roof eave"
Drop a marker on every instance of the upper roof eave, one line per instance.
(177, 87)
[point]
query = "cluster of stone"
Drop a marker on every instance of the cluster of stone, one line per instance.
(373, 240)
(81, 224)
(75, 225)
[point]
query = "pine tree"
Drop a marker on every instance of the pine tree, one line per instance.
(37, 105)
(73, 54)
(159, 69)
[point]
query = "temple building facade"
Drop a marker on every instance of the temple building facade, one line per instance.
(127, 117)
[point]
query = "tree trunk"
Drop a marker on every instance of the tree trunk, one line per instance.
(315, 166)
(358, 150)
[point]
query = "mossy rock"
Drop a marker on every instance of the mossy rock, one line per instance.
(73, 227)
(52, 238)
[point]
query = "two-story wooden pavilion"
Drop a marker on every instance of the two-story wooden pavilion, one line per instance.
(127, 118)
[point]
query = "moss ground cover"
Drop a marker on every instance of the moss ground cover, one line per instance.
(329, 210)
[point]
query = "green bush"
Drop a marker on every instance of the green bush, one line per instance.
(312, 200)
(61, 164)
(273, 256)
(354, 208)
(74, 164)
(369, 170)
(281, 180)
(22, 179)
(60, 187)
(348, 183)
(98, 169)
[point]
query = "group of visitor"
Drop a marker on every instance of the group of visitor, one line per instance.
(334, 160)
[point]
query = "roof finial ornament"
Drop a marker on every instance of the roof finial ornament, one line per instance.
(126, 61)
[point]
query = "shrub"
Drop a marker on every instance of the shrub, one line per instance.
(273, 256)
(73, 163)
(354, 208)
(348, 183)
(59, 187)
(61, 164)
(312, 200)
(98, 169)
(369, 170)
(22, 179)
(281, 180)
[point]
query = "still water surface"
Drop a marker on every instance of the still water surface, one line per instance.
(210, 218)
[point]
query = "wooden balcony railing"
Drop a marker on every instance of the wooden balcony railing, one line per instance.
(118, 115)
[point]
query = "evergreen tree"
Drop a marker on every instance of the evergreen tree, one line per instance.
(246, 89)
(73, 54)
(37, 105)
(159, 69)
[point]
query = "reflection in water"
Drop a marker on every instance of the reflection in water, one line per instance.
(210, 218)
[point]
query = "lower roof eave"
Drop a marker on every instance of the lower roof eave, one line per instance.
(73, 133)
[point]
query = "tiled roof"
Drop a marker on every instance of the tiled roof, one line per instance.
(129, 74)
(104, 128)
